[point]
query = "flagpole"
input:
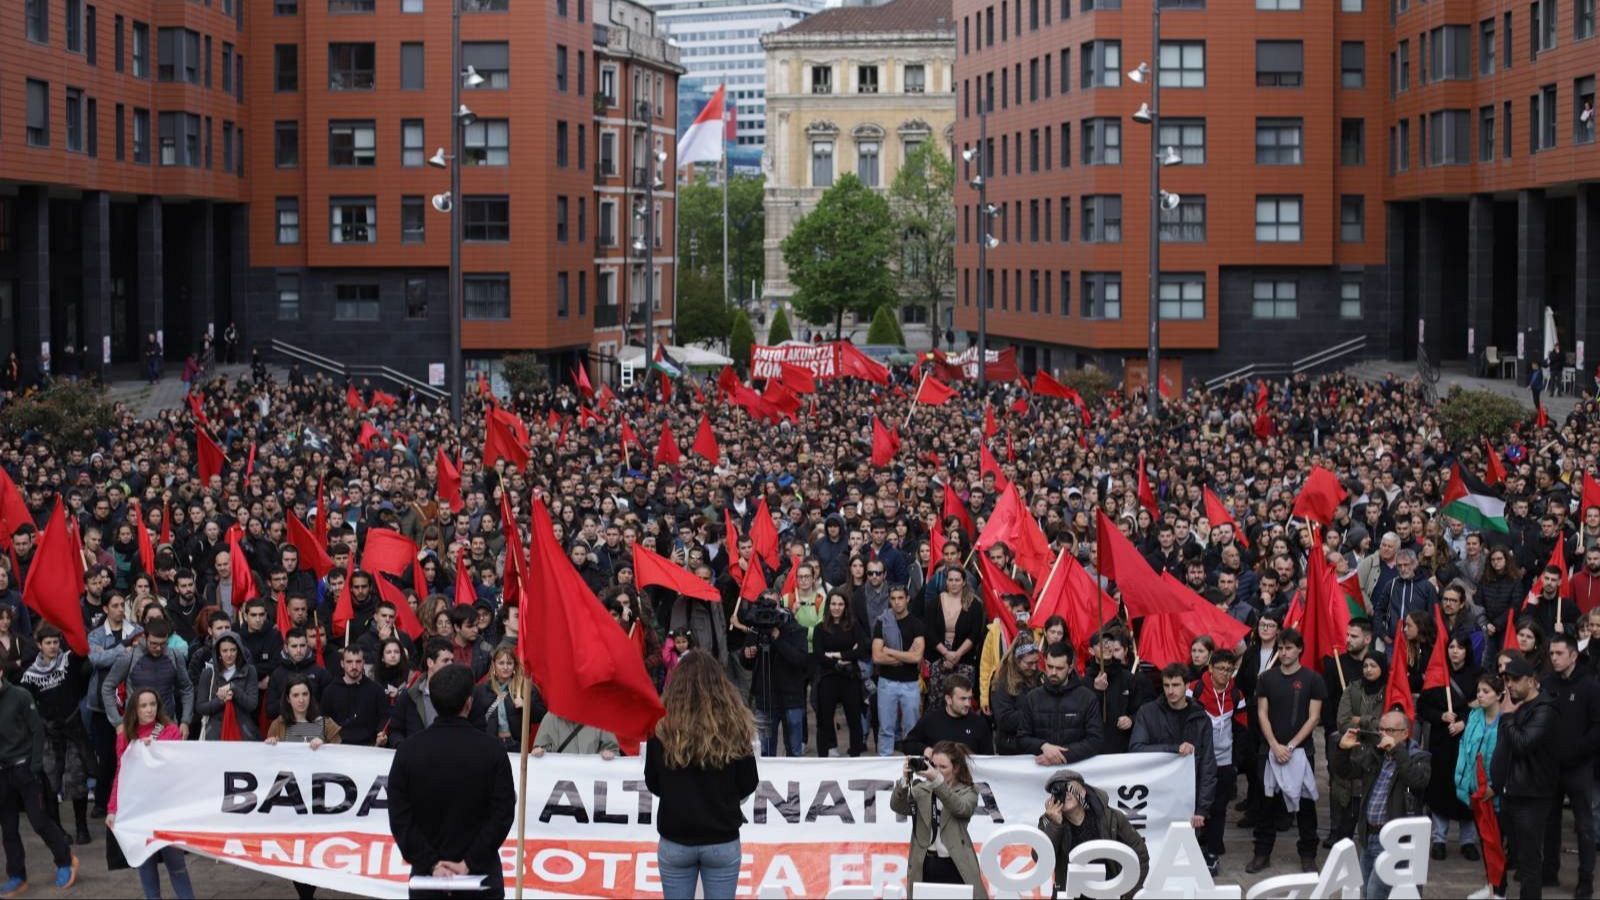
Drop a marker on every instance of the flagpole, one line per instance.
(1048, 579)
(913, 408)
(522, 785)
(727, 297)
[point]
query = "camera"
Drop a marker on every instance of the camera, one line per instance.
(916, 764)
(764, 617)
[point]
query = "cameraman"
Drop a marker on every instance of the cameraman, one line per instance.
(1075, 813)
(775, 653)
(939, 796)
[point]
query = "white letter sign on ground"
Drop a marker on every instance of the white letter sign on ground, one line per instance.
(814, 825)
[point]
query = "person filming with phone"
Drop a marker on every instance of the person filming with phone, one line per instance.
(938, 794)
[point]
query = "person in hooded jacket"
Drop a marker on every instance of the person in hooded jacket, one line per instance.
(1061, 719)
(1525, 773)
(1017, 675)
(1121, 692)
(57, 678)
(1076, 813)
(297, 660)
(1176, 724)
(832, 551)
(227, 677)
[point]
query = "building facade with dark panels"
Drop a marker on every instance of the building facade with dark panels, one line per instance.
(1300, 228)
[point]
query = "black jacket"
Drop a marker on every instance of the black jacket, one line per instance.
(937, 725)
(1577, 700)
(451, 797)
(779, 670)
(1158, 728)
(1525, 756)
(1125, 692)
(288, 668)
(359, 709)
(1067, 715)
(265, 649)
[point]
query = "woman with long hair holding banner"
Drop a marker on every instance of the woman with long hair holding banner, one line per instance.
(147, 722)
(701, 764)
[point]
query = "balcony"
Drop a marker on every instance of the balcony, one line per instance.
(607, 316)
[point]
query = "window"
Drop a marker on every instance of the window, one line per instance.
(1277, 219)
(867, 162)
(1450, 53)
(1486, 133)
(141, 136)
(1353, 64)
(1187, 223)
(1449, 137)
(180, 138)
(75, 120)
(122, 135)
(1403, 149)
(74, 26)
(1102, 142)
(1279, 142)
(561, 144)
(1583, 110)
(1182, 295)
(288, 296)
(1542, 119)
(866, 79)
(1278, 5)
(562, 300)
(288, 220)
(561, 68)
(821, 79)
(286, 144)
(489, 218)
(411, 67)
(1183, 64)
(413, 221)
(492, 60)
(486, 297)
(414, 6)
(412, 152)
(356, 303)
(1544, 23)
(1505, 42)
(1486, 46)
(916, 79)
(1279, 63)
(227, 67)
(37, 14)
(178, 55)
(117, 44)
(285, 7)
(351, 67)
(1102, 64)
(1187, 136)
(822, 164)
(353, 220)
(1582, 19)
(1350, 296)
(1351, 6)
(1352, 142)
(285, 67)
(1275, 300)
(1102, 295)
(561, 219)
(607, 234)
(206, 55)
(352, 143)
(1102, 218)
(1352, 218)
(227, 146)
(487, 143)
(352, 6)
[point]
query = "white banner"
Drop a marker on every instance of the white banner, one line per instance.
(813, 825)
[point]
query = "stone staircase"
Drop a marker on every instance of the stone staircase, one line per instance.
(1453, 374)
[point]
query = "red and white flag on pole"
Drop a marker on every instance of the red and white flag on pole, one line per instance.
(702, 142)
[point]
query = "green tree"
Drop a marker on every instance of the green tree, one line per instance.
(700, 230)
(923, 200)
(525, 374)
(702, 316)
(1467, 417)
(779, 331)
(838, 255)
(885, 330)
(740, 340)
(66, 416)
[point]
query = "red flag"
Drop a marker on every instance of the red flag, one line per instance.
(1326, 617)
(705, 441)
(995, 585)
(1483, 812)
(855, 364)
(55, 581)
(405, 618)
(1019, 406)
(1398, 691)
(628, 436)
(933, 392)
(283, 616)
(1319, 497)
(343, 609)
(385, 399)
(369, 434)
(388, 551)
(586, 416)
(147, 551)
(197, 406)
(728, 381)
(666, 383)
(244, 581)
(1543, 419)
(1072, 593)
(250, 461)
(166, 521)
(483, 385)
(583, 663)
(466, 594)
(790, 580)
(990, 426)
(1147, 494)
(1011, 451)
(230, 722)
(603, 397)
(650, 568)
(798, 378)
(1200, 617)
(319, 528)
(988, 465)
(935, 548)
(1495, 471)
(580, 377)
(954, 507)
(449, 489)
(882, 445)
(731, 540)
(1262, 396)
(1012, 524)
(1217, 513)
(1558, 558)
(1142, 591)
(1437, 674)
(209, 455)
(352, 398)
(754, 581)
(514, 577)
(313, 553)
(505, 437)
(1591, 492)
(764, 534)
(667, 453)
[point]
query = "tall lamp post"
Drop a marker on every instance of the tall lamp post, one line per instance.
(460, 118)
(645, 243)
(1150, 114)
(986, 240)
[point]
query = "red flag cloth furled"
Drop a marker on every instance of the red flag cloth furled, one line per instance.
(449, 480)
(147, 550)
(352, 398)
(604, 397)
(1494, 471)
(320, 526)
(933, 392)
(55, 581)
(466, 593)
(1147, 494)
(1591, 492)
(580, 377)
(1319, 497)
(953, 507)
(988, 465)
(705, 441)
(405, 618)
(209, 455)
(651, 568)
(1326, 617)
(667, 452)
(250, 461)
(1558, 558)
(1070, 592)
(1543, 419)
(1398, 691)
(514, 576)
(230, 723)
(1437, 674)
(1013, 525)
(798, 378)
(385, 399)
(584, 664)
(1483, 813)
(244, 580)
(1261, 396)
(343, 609)
(883, 444)
(197, 406)
(1142, 591)
(313, 553)
(1217, 513)
(764, 534)
(504, 437)
(935, 548)
(990, 426)
(994, 585)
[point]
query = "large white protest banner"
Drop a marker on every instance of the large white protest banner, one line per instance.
(321, 816)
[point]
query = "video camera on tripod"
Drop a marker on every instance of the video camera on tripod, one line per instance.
(763, 617)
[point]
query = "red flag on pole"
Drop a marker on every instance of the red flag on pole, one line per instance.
(319, 528)
(754, 581)
(352, 398)
(210, 455)
(954, 507)
(505, 437)
(1147, 494)
(580, 376)
(514, 577)
(388, 551)
(147, 551)
(1483, 813)
(990, 426)
(935, 547)
(1217, 513)
(1543, 419)
(166, 521)
(1325, 619)
(764, 534)
(449, 480)
(1591, 492)
(1141, 588)
(667, 452)
(405, 618)
(650, 568)
(313, 553)
(1437, 674)
(882, 444)
(995, 585)
(798, 378)
(343, 609)
(705, 441)
(933, 392)
(1319, 497)
(244, 581)
(1072, 593)
(1494, 471)
(55, 581)
(1398, 691)
(988, 465)
(1012, 524)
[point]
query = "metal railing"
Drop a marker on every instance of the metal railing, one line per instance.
(1326, 356)
(338, 369)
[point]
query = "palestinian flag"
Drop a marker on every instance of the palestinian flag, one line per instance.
(665, 364)
(1477, 510)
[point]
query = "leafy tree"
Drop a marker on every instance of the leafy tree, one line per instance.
(923, 200)
(702, 316)
(740, 340)
(64, 416)
(1466, 417)
(885, 330)
(525, 374)
(778, 331)
(1091, 383)
(838, 255)
(700, 230)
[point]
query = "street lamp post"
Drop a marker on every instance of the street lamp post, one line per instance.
(986, 240)
(1150, 114)
(457, 374)
(646, 212)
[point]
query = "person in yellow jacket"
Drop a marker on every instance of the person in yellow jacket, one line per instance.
(996, 645)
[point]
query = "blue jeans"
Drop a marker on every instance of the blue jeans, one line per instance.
(794, 731)
(177, 871)
(898, 706)
(1441, 830)
(714, 866)
(1375, 888)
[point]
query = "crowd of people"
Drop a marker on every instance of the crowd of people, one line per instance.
(871, 630)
